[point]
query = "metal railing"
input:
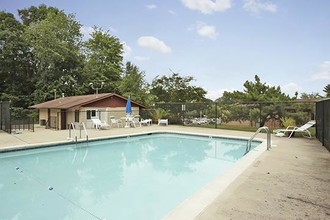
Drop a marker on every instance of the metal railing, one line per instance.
(84, 127)
(73, 127)
(248, 146)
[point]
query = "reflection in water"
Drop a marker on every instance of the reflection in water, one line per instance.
(143, 173)
(227, 149)
(177, 156)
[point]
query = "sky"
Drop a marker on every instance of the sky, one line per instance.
(221, 43)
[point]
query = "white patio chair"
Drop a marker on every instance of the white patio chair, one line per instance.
(115, 121)
(136, 121)
(292, 129)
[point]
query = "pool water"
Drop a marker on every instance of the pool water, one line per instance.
(137, 177)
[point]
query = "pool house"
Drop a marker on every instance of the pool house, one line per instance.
(61, 112)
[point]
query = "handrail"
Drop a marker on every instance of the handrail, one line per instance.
(84, 127)
(74, 131)
(248, 146)
(73, 125)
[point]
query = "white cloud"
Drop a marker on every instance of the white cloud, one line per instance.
(141, 58)
(206, 30)
(153, 43)
(323, 73)
(151, 6)
(207, 6)
(215, 94)
(86, 31)
(291, 88)
(256, 6)
(127, 49)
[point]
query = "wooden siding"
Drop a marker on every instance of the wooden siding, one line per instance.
(111, 102)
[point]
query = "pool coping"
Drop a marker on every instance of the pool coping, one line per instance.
(70, 141)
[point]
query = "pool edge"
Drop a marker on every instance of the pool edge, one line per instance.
(193, 206)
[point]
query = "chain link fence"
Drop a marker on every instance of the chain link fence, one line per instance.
(16, 119)
(220, 115)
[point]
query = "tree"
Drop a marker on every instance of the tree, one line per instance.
(103, 60)
(327, 91)
(176, 88)
(55, 43)
(305, 108)
(256, 96)
(134, 85)
(311, 96)
(256, 92)
(36, 14)
(15, 62)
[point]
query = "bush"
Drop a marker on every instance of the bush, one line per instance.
(287, 121)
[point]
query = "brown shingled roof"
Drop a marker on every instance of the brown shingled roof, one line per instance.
(75, 101)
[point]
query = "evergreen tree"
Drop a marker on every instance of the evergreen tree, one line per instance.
(327, 91)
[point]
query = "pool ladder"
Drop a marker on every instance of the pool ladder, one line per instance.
(74, 126)
(248, 146)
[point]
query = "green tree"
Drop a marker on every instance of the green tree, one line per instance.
(304, 108)
(327, 91)
(176, 88)
(35, 14)
(15, 62)
(255, 95)
(55, 43)
(103, 60)
(134, 85)
(256, 92)
(311, 96)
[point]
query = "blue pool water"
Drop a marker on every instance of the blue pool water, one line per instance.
(137, 177)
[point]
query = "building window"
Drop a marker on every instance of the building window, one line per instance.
(91, 114)
(76, 116)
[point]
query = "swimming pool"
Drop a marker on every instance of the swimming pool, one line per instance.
(133, 177)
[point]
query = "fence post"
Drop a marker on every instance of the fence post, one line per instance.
(216, 115)
(9, 117)
(1, 115)
(183, 108)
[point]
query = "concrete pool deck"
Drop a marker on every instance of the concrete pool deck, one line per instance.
(291, 181)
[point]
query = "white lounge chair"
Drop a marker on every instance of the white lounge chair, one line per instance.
(293, 129)
(98, 124)
(163, 121)
(114, 121)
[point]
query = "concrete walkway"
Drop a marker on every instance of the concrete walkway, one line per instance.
(291, 181)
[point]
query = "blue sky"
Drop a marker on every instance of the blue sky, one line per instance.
(221, 43)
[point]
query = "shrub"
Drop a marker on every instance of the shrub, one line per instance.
(288, 121)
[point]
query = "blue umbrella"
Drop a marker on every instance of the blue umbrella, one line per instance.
(128, 106)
